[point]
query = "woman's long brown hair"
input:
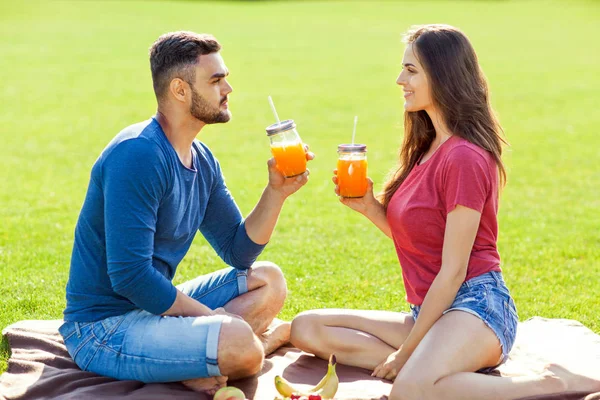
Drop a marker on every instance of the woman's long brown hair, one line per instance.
(459, 90)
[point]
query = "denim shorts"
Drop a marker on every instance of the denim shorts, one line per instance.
(146, 347)
(487, 297)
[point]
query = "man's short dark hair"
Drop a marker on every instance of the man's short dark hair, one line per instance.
(174, 54)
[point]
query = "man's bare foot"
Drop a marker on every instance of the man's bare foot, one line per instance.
(276, 335)
(208, 385)
(573, 381)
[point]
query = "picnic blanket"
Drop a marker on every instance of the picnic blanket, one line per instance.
(41, 368)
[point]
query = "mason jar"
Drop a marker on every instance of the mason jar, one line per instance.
(352, 170)
(287, 148)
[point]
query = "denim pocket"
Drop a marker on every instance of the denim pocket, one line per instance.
(67, 330)
(475, 297)
(111, 324)
(102, 330)
(80, 343)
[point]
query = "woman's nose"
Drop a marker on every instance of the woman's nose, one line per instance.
(400, 80)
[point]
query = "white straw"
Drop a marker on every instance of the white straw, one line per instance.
(273, 108)
(354, 130)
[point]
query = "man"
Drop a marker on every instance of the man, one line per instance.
(151, 189)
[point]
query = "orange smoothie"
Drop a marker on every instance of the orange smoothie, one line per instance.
(290, 158)
(352, 177)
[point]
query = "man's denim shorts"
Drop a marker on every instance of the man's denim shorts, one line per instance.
(145, 347)
(487, 297)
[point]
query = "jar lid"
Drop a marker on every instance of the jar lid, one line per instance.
(352, 148)
(280, 127)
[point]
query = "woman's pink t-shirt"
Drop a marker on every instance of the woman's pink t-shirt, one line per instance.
(459, 172)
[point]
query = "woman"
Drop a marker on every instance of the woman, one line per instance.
(440, 209)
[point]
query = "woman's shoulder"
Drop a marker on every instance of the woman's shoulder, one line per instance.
(461, 150)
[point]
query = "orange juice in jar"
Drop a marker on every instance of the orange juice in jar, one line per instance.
(352, 170)
(287, 148)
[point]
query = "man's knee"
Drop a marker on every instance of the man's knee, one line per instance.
(270, 274)
(240, 352)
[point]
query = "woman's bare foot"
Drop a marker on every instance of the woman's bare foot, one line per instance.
(208, 385)
(573, 381)
(276, 335)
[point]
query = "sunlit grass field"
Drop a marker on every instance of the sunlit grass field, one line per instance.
(74, 73)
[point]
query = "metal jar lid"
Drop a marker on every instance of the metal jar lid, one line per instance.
(280, 127)
(352, 148)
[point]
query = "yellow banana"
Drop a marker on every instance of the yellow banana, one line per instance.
(330, 386)
(326, 388)
(324, 379)
(284, 387)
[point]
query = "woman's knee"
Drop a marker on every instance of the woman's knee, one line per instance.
(407, 387)
(305, 332)
(240, 352)
(413, 384)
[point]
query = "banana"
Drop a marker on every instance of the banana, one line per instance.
(324, 379)
(284, 387)
(330, 386)
(326, 388)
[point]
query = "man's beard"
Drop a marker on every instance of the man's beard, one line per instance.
(207, 113)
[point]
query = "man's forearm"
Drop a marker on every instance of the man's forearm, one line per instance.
(185, 306)
(261, 222)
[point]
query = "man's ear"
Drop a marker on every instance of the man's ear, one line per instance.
(178, 88)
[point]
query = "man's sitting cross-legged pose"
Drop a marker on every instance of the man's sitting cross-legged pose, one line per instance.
(152, 188)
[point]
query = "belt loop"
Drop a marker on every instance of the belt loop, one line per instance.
(497, 277)
(77, 329)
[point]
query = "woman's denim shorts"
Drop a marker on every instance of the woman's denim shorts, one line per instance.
(487, 297)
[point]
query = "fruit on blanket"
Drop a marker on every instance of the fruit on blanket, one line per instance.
(298, 397)
(329, 388)
(229, 393)
(325, 389)
(285, 388)
(328, 375)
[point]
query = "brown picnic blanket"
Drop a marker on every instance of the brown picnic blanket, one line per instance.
(41, 368)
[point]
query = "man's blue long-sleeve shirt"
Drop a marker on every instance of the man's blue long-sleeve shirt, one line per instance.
(142, 210)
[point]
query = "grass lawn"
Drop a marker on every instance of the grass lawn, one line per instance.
(74, 73)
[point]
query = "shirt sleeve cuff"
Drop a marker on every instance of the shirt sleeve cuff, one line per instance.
(247, 251)
(167, 302)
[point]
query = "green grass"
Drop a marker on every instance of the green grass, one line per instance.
(74, 73)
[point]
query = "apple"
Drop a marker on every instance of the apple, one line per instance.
(229, 393)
